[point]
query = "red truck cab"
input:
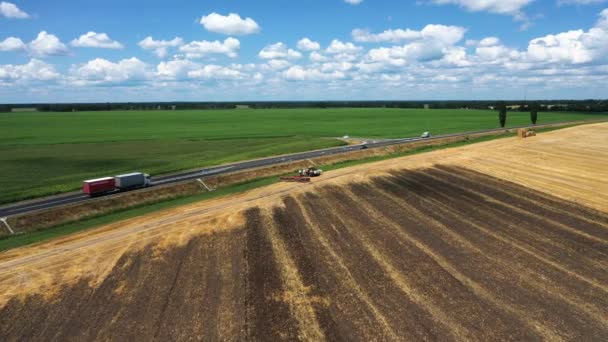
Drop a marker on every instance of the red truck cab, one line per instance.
(98, 186)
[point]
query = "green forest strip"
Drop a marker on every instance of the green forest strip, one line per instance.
(14, 241)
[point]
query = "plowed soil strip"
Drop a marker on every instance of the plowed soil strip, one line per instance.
(398, 299)
(565, 211)
(463, 261)
(590, 301)
(373, 321)
(410, 266)
(597, 234)
(510, 255)
(295, 294)
(406, 226)
(268, 317)
(584, 255)
(321, 274)
(145, 297)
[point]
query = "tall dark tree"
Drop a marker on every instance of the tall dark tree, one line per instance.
(533, 113)
(502, 113)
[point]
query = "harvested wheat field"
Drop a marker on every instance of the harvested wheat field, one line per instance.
(503, 240)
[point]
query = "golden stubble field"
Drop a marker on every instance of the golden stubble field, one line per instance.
(506, 240)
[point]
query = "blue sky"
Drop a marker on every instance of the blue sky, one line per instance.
(81, 51)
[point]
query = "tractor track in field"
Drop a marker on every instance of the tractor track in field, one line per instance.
(431, 248)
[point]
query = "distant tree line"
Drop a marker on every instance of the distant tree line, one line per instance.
(524, 106)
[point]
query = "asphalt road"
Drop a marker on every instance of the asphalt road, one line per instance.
(56, 201)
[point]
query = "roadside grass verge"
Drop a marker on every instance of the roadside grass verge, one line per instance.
(14, 241)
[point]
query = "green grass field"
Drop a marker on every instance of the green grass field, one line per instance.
(47, 153)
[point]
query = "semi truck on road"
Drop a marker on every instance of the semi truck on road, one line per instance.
(105, 185)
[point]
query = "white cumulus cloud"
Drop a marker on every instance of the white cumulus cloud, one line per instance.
(433, 44)
(197, 49)
(511, 7)
(278, 64)
(47, 44)
(603, 21)
(393, 36)
(231, 24)
(574, 47)
(34, 70)
(101, 71)
(489, 41)
(317, 57)
(446, 34)
(182, 69)
(353, 2)
(211, 71)
(96, 40)
(12, 44)
(336, 66)
(497, 53)
(306, 44)
(10, 10)
(420, 51)
(299, 73)
(338, 47)
(160, 47)
(278, 50)
(175, 69)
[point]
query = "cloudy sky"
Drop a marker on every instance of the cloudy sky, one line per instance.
(153, 50)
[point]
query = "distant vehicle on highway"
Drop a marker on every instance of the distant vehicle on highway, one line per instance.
(105, 185)
(426, 135)
(364, 147)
